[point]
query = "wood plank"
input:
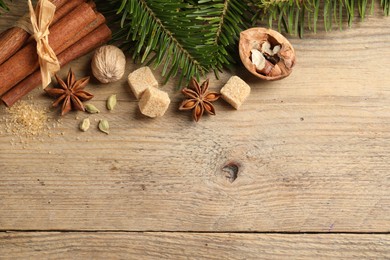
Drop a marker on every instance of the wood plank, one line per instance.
(313, 152)
(192, 246)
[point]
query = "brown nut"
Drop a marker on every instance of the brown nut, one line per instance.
(268, 42)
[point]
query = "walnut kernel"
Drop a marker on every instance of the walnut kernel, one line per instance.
(266, 53)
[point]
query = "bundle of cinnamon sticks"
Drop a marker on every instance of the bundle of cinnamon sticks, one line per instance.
(77, 29)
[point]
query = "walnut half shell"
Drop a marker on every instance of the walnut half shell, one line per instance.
(266, 53)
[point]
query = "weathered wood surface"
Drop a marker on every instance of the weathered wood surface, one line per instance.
(192, 246)
(313, 152)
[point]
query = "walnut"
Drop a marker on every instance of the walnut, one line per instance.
(266, 53)
(108, 64)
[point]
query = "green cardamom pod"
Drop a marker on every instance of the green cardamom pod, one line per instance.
(104, 126)
(111, 102)
(91, 109)
(84, 125)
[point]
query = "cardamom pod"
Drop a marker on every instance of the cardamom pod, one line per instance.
(84, 125)
(111, 102)
(91, 109)
(104, 126)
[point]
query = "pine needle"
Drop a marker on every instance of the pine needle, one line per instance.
(3, 5)
(306, 14)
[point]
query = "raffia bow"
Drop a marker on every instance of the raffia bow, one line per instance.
(41, 19)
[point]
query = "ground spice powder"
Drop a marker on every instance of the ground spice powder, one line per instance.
(26, 119)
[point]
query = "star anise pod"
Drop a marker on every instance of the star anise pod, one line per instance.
(71, 93)
(199, 99)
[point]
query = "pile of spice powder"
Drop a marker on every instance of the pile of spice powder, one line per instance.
(26, 119)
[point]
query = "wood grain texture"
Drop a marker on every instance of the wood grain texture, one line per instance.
(192, 246)
(313, 152)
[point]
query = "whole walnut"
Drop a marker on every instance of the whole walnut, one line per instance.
(108, 64)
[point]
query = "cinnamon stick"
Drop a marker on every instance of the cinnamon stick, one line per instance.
(63, 34)
(65, 9)
(14, 38)
(59, 3)
(3, 32)
(100, 19)
(93, 40)
(11, 41)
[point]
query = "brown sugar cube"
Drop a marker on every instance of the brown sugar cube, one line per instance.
(141, 79)
(235, 91)
(154, 102)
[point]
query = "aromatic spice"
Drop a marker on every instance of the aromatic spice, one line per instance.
(111, 102)
(199, 99)
(89, 42)
(14, 38)
(26, 120)
(91, 109)
(71, 93)
(85, 124)
(104, 126)
(108, 64)
(62, 36)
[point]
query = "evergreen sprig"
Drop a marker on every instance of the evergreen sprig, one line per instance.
(295, 16)
(3, 5)
(193, 37)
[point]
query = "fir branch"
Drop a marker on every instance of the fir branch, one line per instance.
(3, 5)
(295, 16)
(226, 19)
(142, 27)
(186, 37)
(386, 6)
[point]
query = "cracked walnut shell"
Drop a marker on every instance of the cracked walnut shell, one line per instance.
(266, 53)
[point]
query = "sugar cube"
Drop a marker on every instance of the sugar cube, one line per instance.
(154, 102)
(141, 79)
(235, 91)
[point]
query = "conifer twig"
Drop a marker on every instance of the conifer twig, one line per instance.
(3, 5)
(189, 38)
(296, 16)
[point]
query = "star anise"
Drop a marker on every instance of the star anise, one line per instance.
(199, 99)
(71, 93)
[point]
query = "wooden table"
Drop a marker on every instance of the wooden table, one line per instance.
(312, 153)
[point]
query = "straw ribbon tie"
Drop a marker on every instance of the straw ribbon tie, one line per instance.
(41, 19)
